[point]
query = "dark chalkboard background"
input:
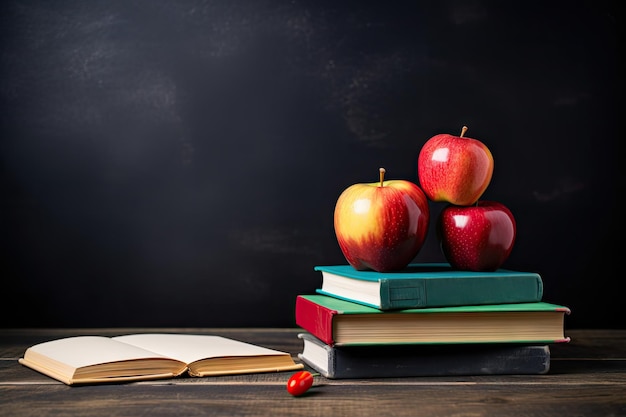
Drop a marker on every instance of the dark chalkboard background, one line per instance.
(176, 163)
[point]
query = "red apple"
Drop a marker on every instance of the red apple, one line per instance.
(478, 237)
(454, 169)
(382, 225)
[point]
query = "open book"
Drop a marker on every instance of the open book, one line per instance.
(97, 359)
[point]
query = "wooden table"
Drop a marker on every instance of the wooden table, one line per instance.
(587, 378)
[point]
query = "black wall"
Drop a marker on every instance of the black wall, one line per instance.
(176, 163)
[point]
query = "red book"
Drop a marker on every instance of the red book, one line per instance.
(343, 323)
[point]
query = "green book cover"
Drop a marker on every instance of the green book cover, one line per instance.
(429, 285)
(347, 307)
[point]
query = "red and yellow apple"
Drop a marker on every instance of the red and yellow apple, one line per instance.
(383, 225)
(454, 169)
(478, 237)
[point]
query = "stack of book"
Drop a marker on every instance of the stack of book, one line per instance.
(427, 320)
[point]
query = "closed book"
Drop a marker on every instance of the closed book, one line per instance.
(340, 322)
(429, 285)
(388, 361)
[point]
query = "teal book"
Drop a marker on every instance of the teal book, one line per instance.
(429, 285)
(394, 361)
(340, 322)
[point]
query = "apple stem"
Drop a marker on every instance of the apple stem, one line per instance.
(381, 171)
(463, 130)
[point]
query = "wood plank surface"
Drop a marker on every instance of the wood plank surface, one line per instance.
(587, 378)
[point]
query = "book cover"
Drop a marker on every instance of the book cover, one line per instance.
(340, 322)
(387, 361)
(429, 285)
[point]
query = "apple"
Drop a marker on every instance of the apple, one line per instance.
(478, 237)
(454, 169)
(383, 225)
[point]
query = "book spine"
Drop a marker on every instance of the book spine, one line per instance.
(396, 294)
(316, 319)
(419, 293)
